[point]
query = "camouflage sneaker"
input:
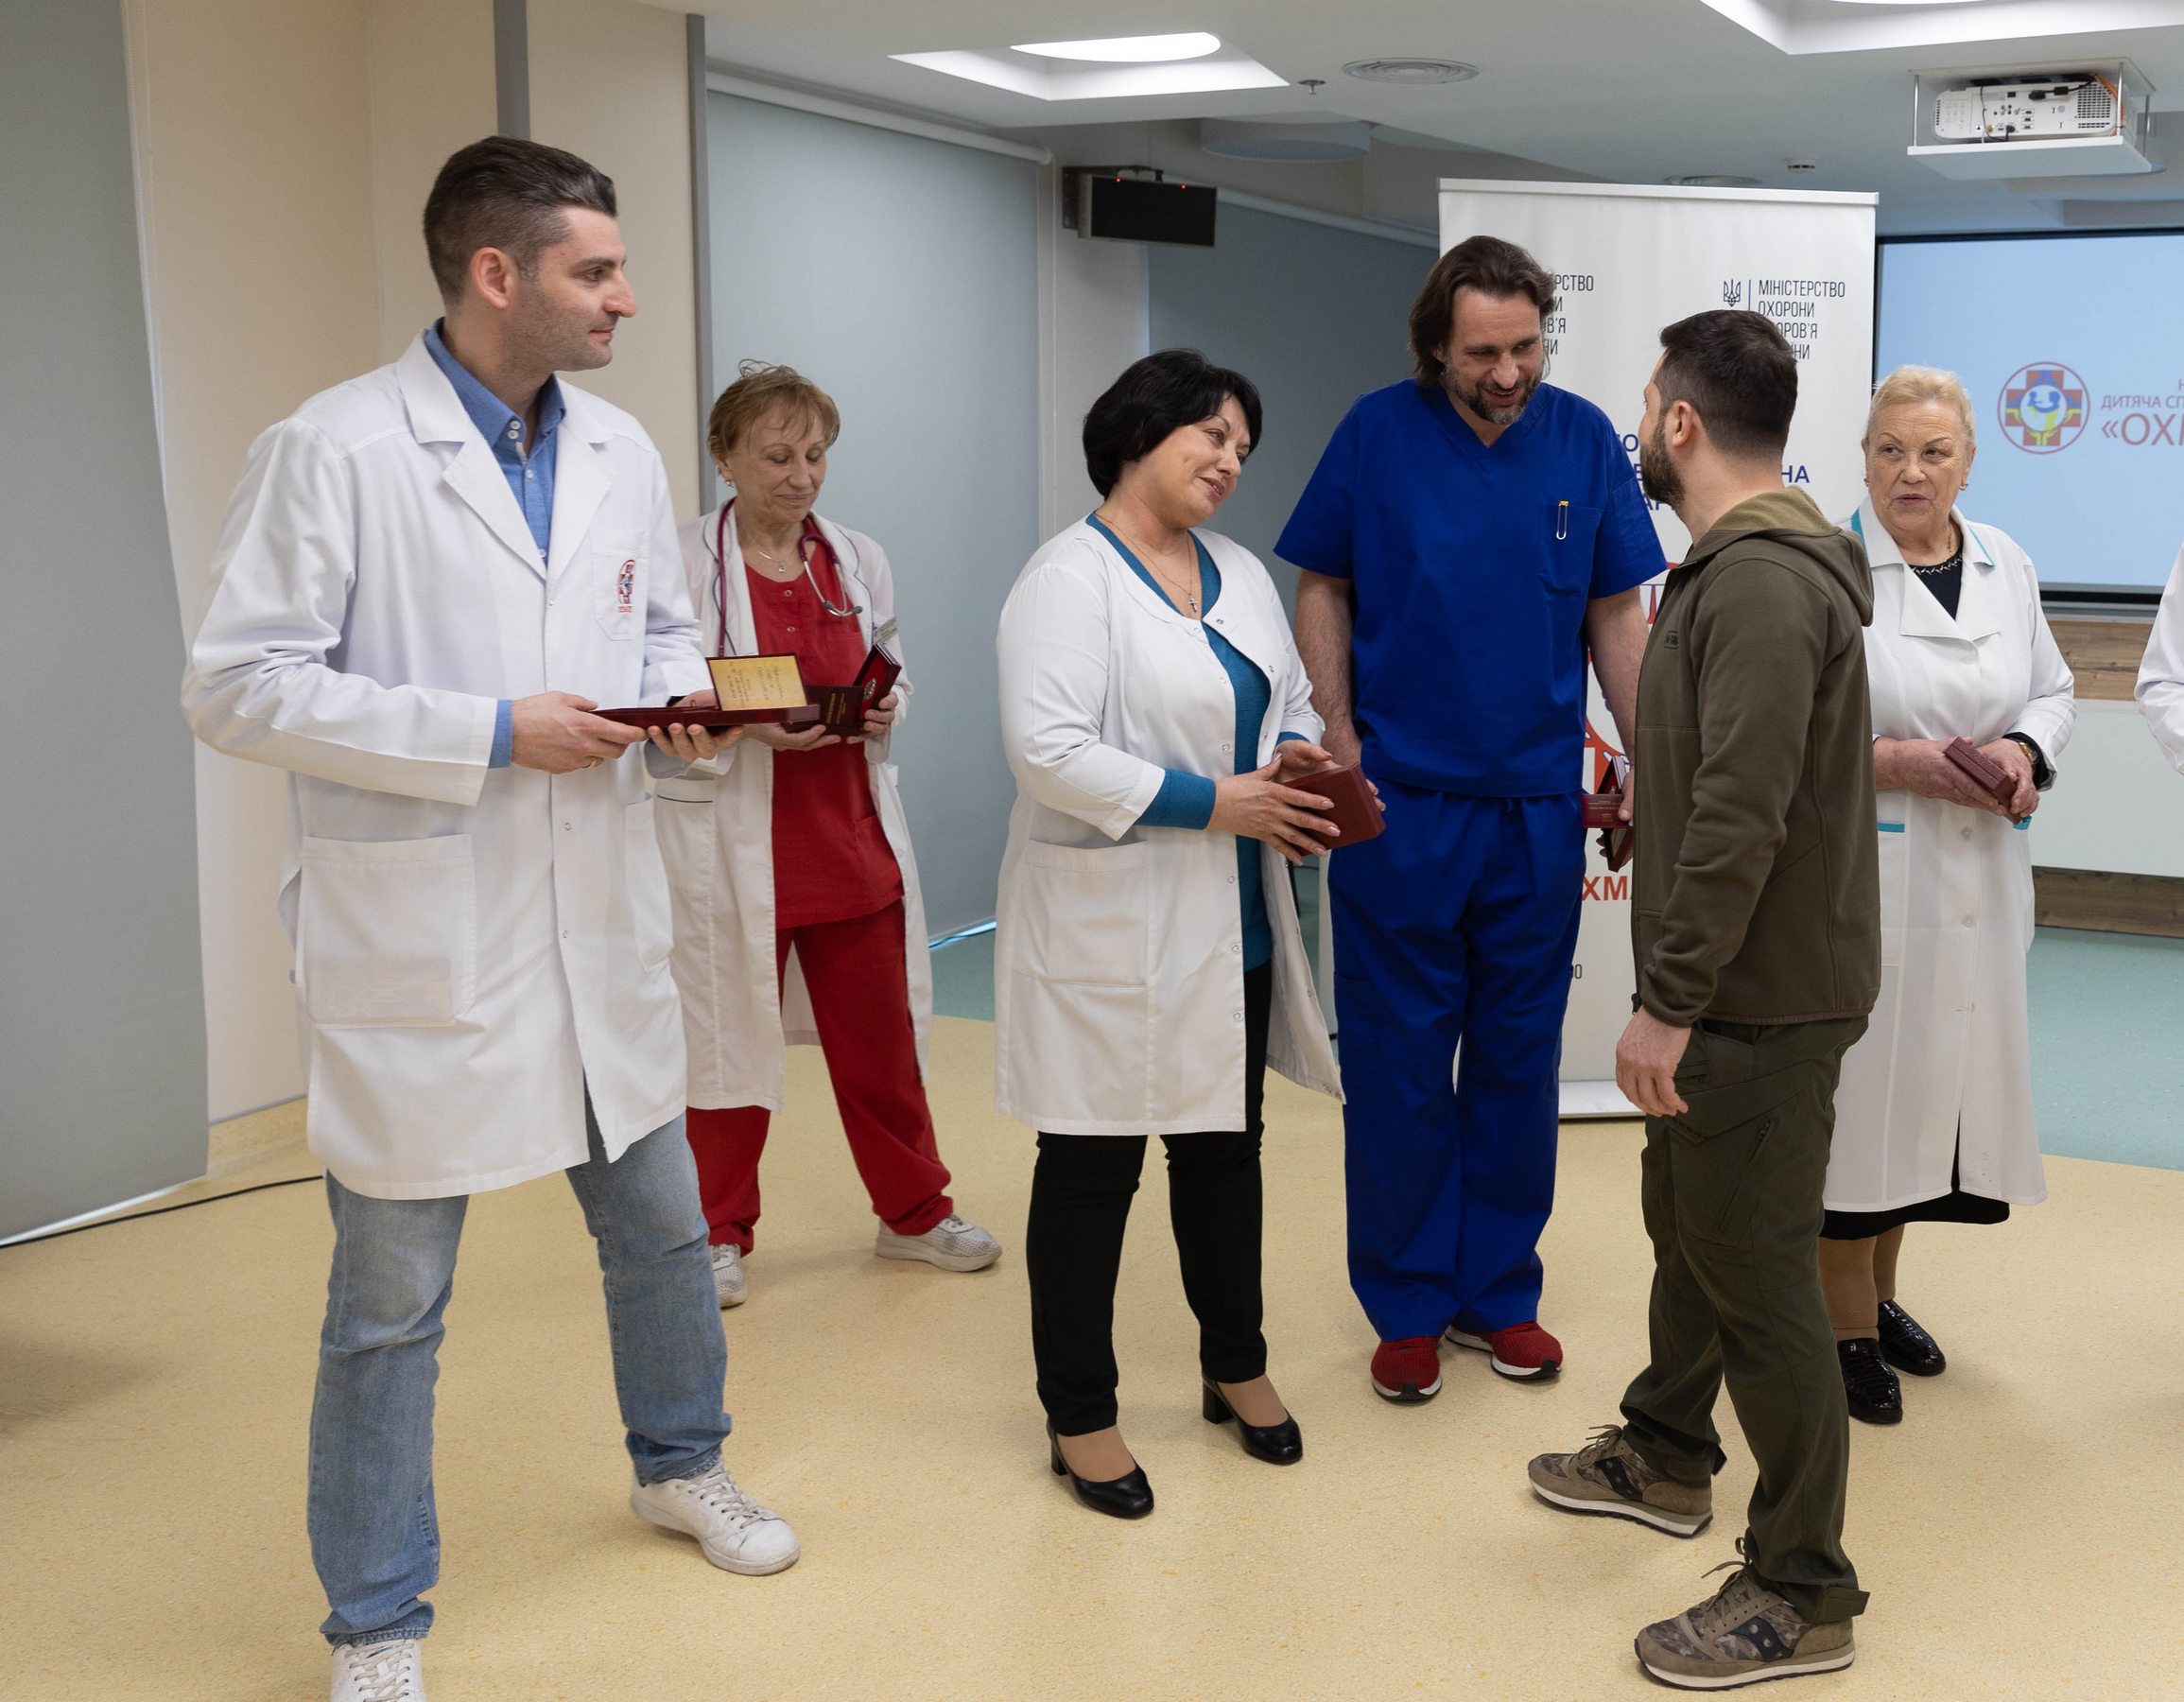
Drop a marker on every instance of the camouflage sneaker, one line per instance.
(1744, 1633)
(1607, 1476)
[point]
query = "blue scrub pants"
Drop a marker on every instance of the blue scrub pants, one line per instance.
(1458, 924)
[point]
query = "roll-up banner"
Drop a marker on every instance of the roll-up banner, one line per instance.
(1630, 259)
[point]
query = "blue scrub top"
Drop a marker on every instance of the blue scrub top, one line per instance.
(1472, 567)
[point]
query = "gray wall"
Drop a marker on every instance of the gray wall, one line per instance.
(1313, 316)
(901, 276)
(103, 1030)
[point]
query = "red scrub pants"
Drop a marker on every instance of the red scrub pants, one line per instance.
(860, 988)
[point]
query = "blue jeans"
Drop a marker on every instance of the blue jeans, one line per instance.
(375, 1537)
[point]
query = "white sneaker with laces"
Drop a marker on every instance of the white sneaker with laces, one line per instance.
(379, 1671)
(729, 1286)
(954, 1243)
(737, 1534)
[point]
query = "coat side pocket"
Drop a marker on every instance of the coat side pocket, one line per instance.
(386, 931)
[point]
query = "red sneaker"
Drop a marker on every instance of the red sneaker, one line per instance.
(1408, 1371)
(1522, 1350)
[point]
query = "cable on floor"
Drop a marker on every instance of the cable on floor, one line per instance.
(233, 1194)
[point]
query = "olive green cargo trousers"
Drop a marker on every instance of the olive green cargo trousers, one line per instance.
(1732, 1197)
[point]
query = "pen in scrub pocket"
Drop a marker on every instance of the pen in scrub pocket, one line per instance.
(1562, 520)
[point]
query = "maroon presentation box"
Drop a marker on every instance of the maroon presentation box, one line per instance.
(842, 707)
(1355, 811)
(1603, 810)
(1985, 773)
(796, 715)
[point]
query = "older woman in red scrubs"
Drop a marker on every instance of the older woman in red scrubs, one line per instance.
(798, 918)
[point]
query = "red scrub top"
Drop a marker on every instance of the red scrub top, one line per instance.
(831, 858)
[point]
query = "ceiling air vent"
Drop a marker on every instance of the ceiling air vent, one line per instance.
(1414, 72)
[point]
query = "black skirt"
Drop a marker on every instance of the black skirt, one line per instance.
(1955, 1207)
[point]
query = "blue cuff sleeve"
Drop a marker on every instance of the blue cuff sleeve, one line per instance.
(1287, 737)
(1183, 801)
(503, 737)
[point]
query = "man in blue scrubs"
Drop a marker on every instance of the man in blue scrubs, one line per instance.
(1468, 534)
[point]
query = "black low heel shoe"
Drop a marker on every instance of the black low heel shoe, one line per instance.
(1874, 1396)
(1908, 1348)
(1280, 1444)
(1126, 1496)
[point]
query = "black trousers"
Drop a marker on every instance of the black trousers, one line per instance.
(1080, 1193)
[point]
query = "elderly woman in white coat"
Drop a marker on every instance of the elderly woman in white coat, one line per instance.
(797, 913)
(2161, 688)
(1933, 1119)
(1148, 964)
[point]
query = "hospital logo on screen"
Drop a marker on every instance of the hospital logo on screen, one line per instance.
(2043, 408)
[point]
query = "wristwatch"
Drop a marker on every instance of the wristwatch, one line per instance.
(2043, 771)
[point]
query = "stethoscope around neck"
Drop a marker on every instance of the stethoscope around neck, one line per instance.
(802, 557)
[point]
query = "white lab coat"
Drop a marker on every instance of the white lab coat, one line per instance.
(1947, 1042)
(716, 835)
(475, 948)
(1118, 968)
(2161, 692)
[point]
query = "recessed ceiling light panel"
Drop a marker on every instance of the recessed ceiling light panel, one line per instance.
(1714, 179)
(1025, 71)
(1416, 72)
(1129, 50)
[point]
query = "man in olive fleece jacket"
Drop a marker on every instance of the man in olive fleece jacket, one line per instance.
(1757, 930)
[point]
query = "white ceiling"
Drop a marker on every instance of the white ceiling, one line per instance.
(1616, 90)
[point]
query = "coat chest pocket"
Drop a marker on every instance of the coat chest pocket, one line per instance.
(1083, 916)
(386, 931)
(616, 563)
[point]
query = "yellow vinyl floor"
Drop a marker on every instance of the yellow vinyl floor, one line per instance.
(2019, 1531)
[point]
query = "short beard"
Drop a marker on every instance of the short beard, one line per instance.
(1476, 400)
(547, 340)
(1657, 474)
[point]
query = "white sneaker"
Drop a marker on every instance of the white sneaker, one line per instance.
(379, 1671)
(954, 1243)
(737, 1534)
(729, 1286)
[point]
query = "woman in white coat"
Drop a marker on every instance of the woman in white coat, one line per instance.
(1148, 964)
(1933, 1120)
(796, 904)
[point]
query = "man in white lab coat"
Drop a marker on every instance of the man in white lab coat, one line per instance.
(2161, 692)
(429, 577)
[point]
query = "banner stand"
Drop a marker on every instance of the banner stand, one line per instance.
(1628, 260)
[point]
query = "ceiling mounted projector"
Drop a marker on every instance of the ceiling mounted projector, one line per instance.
(1297, 144)
(2033, 121)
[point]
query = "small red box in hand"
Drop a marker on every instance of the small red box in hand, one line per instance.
(842, 707)
(1985, 773)
(1355, 811)
(1604, 811)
